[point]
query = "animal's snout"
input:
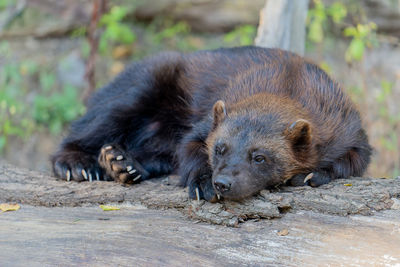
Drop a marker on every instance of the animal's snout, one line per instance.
(222, 184)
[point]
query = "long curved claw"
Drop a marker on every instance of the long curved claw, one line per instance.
(197, 194)
(68, 175)
(84, 174)
(308, 177)
(137, 178)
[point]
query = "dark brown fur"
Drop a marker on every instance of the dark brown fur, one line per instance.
(279, 117)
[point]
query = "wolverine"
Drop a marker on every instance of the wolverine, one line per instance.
(230, 122)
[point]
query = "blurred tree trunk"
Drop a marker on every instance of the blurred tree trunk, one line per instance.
(283, 25)
(99, 8)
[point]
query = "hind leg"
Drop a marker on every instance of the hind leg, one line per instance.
(112, 164)
(74, 164)
(77, 157)
(131, 114)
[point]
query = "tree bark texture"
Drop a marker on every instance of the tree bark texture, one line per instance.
(283, 25)
(340, 197)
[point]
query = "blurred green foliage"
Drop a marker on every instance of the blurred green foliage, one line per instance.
(323, 23)
(317, 19)
(115, 30)
(384, 95)
(12, 110)
(363, 35)
(23, 110)
(5, 3)
(54, 109)
(171, 30)
(166, 34)
(241, 35)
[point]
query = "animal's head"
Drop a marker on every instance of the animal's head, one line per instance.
(252, 147)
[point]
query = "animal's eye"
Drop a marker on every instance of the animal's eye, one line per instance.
(220, 149)
(259, 159)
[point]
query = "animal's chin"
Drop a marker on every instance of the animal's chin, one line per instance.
(237, 196)
(239, 191)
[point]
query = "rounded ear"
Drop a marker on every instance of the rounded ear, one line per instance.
(299, 135)
(219, 112)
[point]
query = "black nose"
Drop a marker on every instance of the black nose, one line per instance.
(222, 184)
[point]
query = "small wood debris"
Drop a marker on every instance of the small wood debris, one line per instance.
(283, 232)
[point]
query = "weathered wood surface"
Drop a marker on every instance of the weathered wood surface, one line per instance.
(136, 236)
(67, 228)
(342, 197)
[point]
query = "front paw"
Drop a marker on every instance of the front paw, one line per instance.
(313, 179)
(319, 178)
(200, 187)
(76, 166)
(120, 166)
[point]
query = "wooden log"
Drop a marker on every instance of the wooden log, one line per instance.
(340, 197)
(308, 233)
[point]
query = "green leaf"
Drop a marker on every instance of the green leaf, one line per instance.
(118, 13)
(364, 30)
(103, 44)
(107, 208)
(125, 35)
(337, 11)
(316, 33)
(355, 50)
(350, 32)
